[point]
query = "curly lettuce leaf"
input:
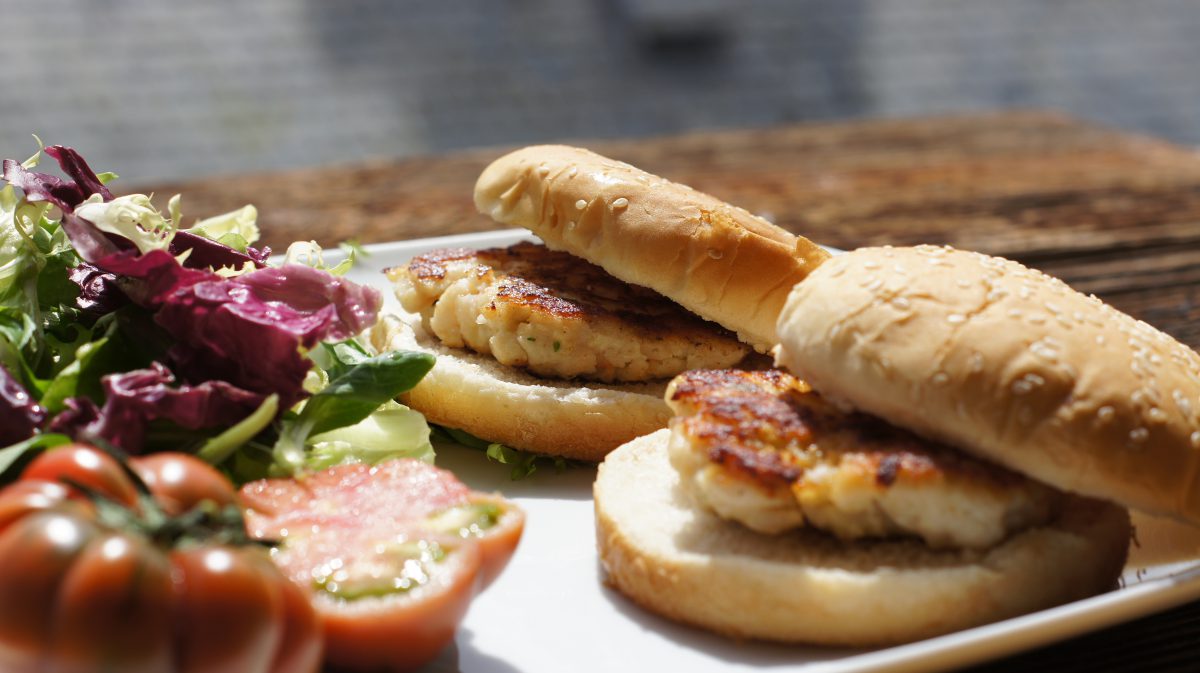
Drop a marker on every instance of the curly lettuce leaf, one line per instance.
(521, 464)
(357, 387)
(392, 431)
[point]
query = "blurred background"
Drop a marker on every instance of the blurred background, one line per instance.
(165, 90)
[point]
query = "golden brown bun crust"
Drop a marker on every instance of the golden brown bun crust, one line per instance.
(1006, 363)
(686, 564)
(504, 404)
(717, 261)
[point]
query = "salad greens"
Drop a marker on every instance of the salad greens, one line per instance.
(119, 326)
(522, 463)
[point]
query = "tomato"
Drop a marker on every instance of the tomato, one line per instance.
(118, 586)
(179, 482)
(391, 554)
(76, 464)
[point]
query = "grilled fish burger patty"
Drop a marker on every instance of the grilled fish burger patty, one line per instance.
(763, 449)
(557, 316)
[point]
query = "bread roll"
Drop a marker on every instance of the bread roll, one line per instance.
(473, 392)
(680, 561)
(717, 261)
(1006, 363)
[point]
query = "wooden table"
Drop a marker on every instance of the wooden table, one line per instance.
(1113, 214)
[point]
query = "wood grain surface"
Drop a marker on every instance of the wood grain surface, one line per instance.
(1114, 214)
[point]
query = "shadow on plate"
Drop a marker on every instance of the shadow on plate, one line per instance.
(479, 472)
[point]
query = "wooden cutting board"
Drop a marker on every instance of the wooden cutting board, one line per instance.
(1114, 214)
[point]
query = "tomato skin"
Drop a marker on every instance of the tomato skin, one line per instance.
(225, 610)
(180, 481)
(114, 607)
(26, 497)
(87, 466)
(500, 541)
(36, 552)
(77, 596)
(303, 645)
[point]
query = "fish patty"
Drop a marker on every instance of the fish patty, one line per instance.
(764, 449)
(557, 315)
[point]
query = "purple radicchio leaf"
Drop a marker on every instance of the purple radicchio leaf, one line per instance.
(248, 329)
(62, 193)
(257, 322)
(209, 254)
(136, 398)
(20, 414)
(99, 293)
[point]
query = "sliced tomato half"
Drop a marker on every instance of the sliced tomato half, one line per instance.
(392, 554)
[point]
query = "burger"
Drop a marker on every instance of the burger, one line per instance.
(949, 439)
(564, 347)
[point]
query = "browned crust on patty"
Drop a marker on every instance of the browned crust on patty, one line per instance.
(769, 427)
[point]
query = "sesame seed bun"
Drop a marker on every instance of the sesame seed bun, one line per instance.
(679, 560)
(1006, 363)
(716, 260)
(472, 392)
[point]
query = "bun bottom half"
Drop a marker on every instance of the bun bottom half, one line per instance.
(688, 565)
(498, 403)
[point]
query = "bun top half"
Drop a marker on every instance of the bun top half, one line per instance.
(714, 259)
(1007, 363)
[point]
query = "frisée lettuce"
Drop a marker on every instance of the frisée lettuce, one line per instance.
(119, 326)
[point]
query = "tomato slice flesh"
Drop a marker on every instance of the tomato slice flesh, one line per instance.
(369, 622)
(392, 554)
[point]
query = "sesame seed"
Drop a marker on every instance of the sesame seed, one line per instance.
(963, 283)
(996, 295)
(956, 318)
(1157, 415)
(1100, 339)
(1137, 397)
(940, 378)
(621, 202)
(1139, 435)
(870, 265)
(1021, 386)
(581, 204)
(1196, 439)
(1105, 413)
(715, 254)
(1014, 313)
(901, 303)
(571, 224)
(1037, 319)
(543, 171)
(1053, 308)
(975, 362)
(900, 270)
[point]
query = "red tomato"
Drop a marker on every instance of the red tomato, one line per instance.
(179, 481)
(392, 554)
(76, 464)
(80, 592)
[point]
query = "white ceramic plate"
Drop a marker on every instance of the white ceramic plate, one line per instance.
(550, 612)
